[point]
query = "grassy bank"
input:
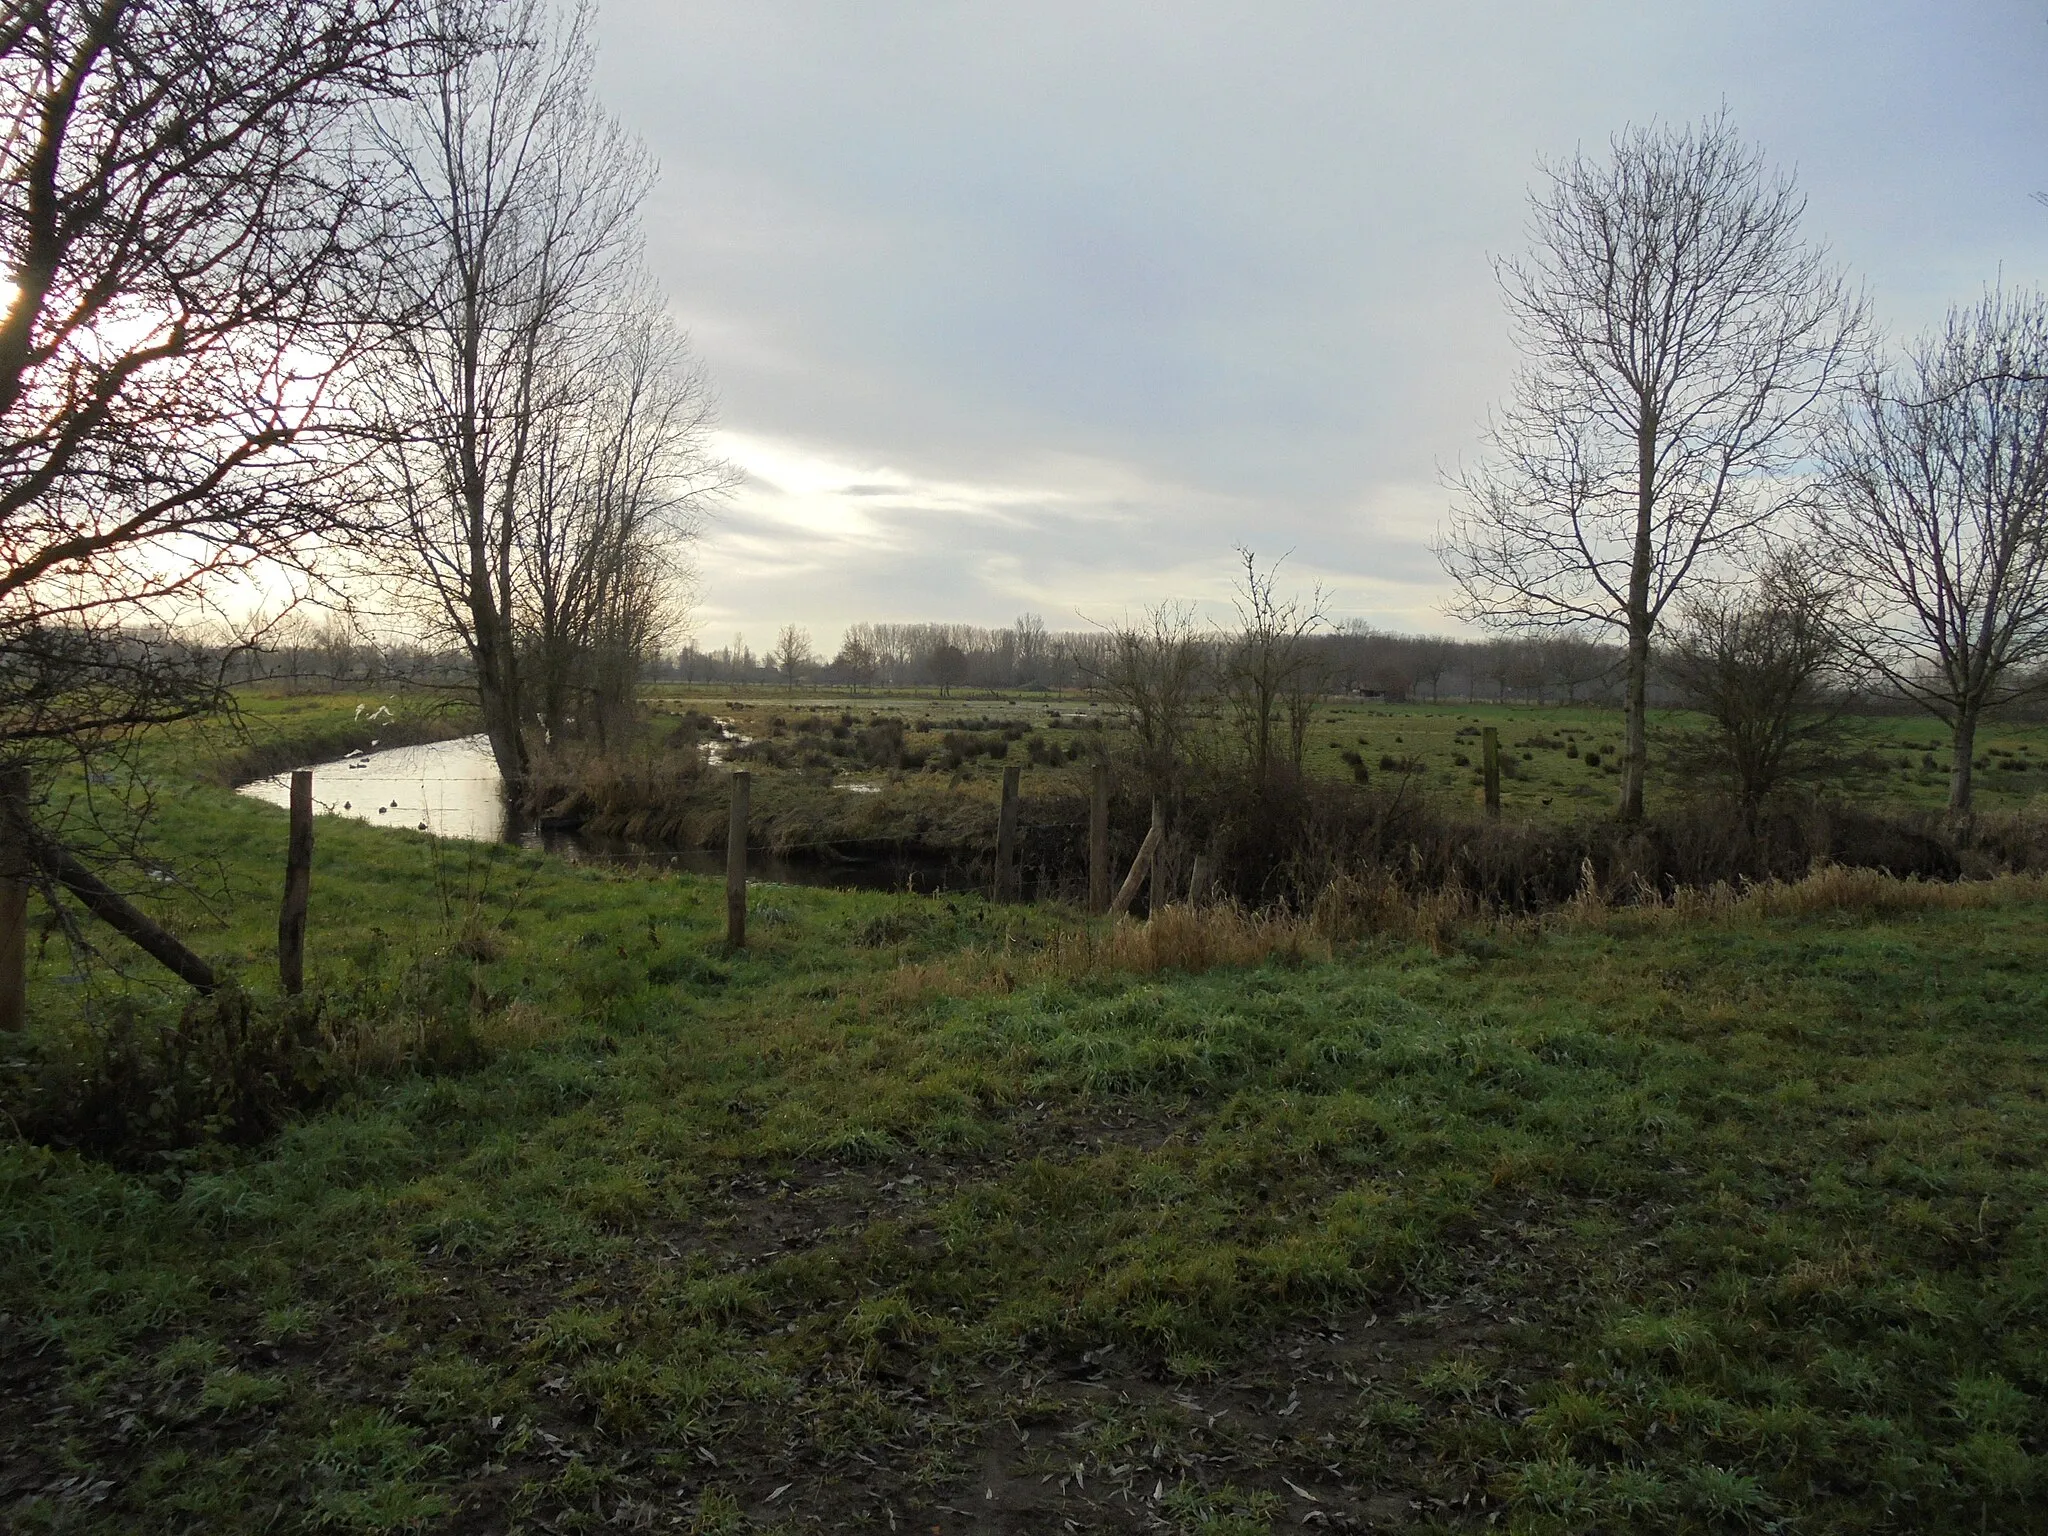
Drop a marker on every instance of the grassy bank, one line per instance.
(921, 1215)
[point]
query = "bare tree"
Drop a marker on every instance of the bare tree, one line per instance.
(1677, 335)
(183, 224)
(1764, 663)
(521, 249)
(792, 655)
(1938, 517)
(856, 662)
(947, 664)
(1572, 661)
(1272, 672)
(613, 495)
(1155, 669)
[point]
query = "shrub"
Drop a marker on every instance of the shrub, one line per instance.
(226, 1070)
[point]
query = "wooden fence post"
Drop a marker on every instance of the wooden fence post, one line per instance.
(1155, 898)
(1490, 752)
(1098, 842)
(1008, 886)
(298, 882)
(1198, 882)
(13, 898)
(736, 864)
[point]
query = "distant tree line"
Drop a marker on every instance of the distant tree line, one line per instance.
(1357, 659)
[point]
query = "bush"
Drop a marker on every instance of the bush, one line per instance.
(1285, 842)
(226, 1070)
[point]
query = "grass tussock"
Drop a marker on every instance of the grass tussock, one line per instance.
(1829, 888)
(1193, 939)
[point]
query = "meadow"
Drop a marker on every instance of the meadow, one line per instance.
(1559, 761)
(928, 1215)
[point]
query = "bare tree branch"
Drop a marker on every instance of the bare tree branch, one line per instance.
(1938, 517)
(1676, 336)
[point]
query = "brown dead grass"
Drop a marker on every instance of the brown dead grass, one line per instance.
(1828, 888)
(1194, 939)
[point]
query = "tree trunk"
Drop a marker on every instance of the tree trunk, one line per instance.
(1636, 743)
(497, 687)
(1959, 778)
(1635, 750)
(501, 725)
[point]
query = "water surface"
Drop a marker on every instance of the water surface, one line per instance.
(452, 789)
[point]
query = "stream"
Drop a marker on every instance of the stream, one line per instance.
(452, 789)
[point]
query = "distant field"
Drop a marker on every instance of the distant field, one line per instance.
(1550, 772)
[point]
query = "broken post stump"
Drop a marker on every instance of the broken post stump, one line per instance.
(298, 882)
(1098, 842)
(736, 863)
(1007, 885)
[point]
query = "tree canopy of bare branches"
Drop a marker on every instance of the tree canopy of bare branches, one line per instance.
(1938, 517)
(1677, 336)
(1155, 668)
(185, 222)
(794, 654)
(1272, 671)
(183, 216)
(1766, 665)
(547, 436)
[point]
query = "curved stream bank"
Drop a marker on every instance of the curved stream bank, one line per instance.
(452, 789)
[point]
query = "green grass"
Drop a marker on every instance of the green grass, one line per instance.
(1550, 775)
(895, 1222)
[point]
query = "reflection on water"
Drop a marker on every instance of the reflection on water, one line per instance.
(452, 789)
(449, 788)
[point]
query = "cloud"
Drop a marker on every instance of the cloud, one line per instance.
(1051, 306)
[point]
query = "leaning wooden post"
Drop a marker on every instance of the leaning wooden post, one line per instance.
(1008, 886)
(1141, 865)
(736, 864)
(1098, 842)
(122, 915)
(14, 871)
(298, 883)
(1490, 751)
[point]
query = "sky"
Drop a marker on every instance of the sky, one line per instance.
(1050, 307)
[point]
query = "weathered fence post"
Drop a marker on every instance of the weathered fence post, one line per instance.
(1008, 886)
(1142, 864)
(13, 898)
(1155, 898)
(1198, 881)
(298, 882)
(1490, 752)
(736, 864)
(1098, 842)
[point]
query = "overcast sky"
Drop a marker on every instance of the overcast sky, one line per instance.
(1047, 306)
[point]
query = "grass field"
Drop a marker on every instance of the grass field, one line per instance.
(1562, 761)
(921, 1215)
